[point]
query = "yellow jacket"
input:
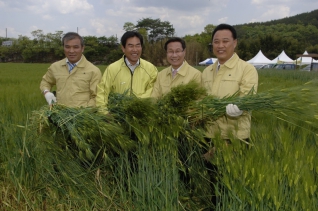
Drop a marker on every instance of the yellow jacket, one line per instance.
(76, 89)
(234, 75)
(165, 82)
(118, 78)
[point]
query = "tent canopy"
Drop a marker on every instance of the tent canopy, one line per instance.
(208, 61)
(260, 59)
(305, 58)
(283, 58)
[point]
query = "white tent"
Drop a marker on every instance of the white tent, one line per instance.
(283, 58)
(208, 61)
(204, 62)
(305, 60)
(260, 59)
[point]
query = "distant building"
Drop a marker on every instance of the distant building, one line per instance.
(7, 43)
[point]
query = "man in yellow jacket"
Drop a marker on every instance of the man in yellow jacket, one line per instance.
(179, 71)
(75, 77)
(129, 74)
(226, 77)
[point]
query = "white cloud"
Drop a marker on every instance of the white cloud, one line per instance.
(47, 17)
(99, 26)
(180, 5)
(273, 2)
(84, 32)
(276, 13)
(188, 24)
(254, 20)
(223, 20)
(103, 27)
(67, 6)
(56, 6)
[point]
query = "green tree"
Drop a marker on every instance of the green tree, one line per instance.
(9, 53)
(108, 49)
(209, 29)
(25, 45)
(129, 26)
(54, 43)
(156, 29)
(91, 45)
(242, 50)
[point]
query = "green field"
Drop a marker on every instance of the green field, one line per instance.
(278, 172)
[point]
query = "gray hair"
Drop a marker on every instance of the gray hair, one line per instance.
(72, 35)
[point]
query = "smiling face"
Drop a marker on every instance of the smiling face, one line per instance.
(132, 49)
(175, 54)
(223, 45)
(73, 50)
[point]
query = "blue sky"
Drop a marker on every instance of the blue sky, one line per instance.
(107, 17)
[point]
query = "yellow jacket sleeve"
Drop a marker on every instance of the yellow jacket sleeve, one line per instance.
(103, 90)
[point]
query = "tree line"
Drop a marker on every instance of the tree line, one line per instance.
(270, 37)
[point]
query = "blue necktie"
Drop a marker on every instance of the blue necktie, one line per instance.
(71, 66)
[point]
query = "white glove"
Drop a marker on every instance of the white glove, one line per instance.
(50, 98)
(233, 111)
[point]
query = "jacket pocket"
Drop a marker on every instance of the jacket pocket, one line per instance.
(81, 82)
(229, 86)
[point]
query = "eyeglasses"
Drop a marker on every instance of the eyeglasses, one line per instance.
(178, 51)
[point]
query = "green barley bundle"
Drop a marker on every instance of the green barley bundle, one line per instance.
(166, 140)
(284, 103)
(178, 100)
(83, 130)
(129, 108)
(211, 108)
(89, 129)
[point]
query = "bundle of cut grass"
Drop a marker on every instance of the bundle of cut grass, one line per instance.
(88, 129)
(180, 98)
(283, 104)
(126, 108)
(84, 130)
(93, 132)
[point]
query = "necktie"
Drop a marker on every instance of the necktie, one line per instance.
(174, 73)
(71, 66)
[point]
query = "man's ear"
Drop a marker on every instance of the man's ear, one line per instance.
(235, 43)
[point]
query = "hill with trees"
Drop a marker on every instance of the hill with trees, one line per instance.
(293, 34)
(307, 18)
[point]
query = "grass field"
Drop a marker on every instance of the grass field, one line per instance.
(279, 171)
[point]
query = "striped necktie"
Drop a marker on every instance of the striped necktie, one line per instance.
(174, 73)
(71, 66)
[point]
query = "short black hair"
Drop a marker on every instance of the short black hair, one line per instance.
(72, 35)
(129, 34)
(223, 26)
(175, 39)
